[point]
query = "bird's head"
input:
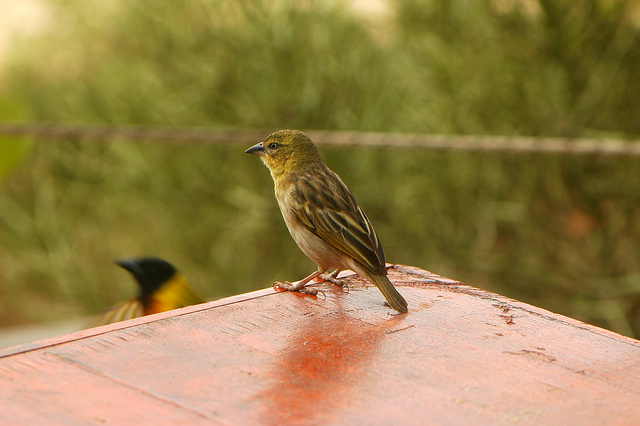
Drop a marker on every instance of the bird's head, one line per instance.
(287, 151)
(149, 272)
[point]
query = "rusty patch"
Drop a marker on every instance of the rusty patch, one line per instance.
(503, 307)
(508, 319)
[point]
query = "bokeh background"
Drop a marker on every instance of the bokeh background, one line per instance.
(558, 231)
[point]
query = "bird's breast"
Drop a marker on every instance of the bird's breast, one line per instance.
(315, 248)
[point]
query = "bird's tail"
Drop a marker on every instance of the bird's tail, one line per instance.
(394, 298)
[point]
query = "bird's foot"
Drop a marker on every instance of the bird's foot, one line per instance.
(287, 286)
(340, 282)
(331, 278)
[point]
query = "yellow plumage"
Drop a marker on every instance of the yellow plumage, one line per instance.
(162, 288)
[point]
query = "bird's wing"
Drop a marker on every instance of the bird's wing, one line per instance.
(190, 297)
(327, 208)
(127, 309)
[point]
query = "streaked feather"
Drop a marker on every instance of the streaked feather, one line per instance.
(337, 219)
(127, 309)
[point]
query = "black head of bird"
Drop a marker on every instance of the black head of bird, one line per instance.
(149, 272)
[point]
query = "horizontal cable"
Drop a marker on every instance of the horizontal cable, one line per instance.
(605, 146)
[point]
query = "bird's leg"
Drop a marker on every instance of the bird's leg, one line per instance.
(332, 278)
(299, 286)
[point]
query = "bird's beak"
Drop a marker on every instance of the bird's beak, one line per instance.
(257, 149)
(130, 265)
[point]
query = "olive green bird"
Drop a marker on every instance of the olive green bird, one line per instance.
(162, 288)
(323, 217)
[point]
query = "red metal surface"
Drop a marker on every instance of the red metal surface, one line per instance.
(460, 356)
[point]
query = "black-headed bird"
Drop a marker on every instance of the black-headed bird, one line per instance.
(162, 288)
(322, 215)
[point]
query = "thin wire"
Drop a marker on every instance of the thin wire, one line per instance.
(574, 146)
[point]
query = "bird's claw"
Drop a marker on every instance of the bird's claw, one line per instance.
(287, 286)
(313, 292)
(278, 286)
(284, 286)
(330, 278)
(339, 282)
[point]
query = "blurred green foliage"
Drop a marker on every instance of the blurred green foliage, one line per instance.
(12, 149)
(558, 232)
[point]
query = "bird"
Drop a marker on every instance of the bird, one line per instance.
(162, 288)
(322, 215)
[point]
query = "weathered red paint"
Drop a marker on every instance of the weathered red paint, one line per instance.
(460, 356)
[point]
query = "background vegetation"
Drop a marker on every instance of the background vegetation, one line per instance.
(560, 232)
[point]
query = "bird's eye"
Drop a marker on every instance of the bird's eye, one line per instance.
(273, 145)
